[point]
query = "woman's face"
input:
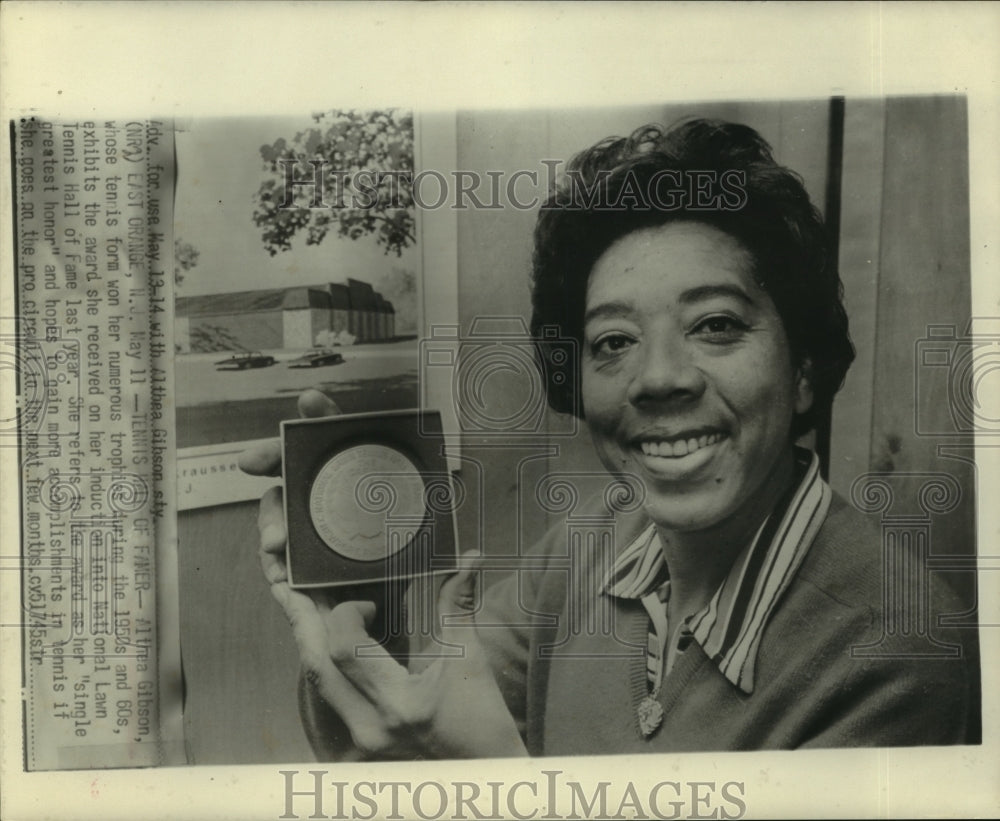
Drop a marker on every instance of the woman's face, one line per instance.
(688, 379)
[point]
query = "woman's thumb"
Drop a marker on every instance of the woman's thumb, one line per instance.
(438, 625)
(458, 599)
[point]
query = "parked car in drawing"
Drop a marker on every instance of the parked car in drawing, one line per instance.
(243, 361)
(316, 357)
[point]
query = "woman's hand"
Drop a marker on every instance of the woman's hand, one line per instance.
(452, 707)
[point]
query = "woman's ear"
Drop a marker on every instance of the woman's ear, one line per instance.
(803, 386)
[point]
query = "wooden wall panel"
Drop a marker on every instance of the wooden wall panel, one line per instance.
(494, 265)
(240, 661)
(860, 259)
(923, 279)
(796, 129)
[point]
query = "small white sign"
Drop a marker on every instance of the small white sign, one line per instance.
(209, 475)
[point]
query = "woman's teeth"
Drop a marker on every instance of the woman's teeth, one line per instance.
(679, 447)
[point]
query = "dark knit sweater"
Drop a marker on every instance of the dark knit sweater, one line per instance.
(576, 690)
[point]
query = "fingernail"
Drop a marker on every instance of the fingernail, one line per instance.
(316, 403)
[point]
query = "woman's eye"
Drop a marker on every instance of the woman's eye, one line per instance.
(720, 328)
(611, 344)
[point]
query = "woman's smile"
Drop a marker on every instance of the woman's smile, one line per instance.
(680, 454)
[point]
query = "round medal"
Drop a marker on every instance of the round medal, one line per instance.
(359, 494)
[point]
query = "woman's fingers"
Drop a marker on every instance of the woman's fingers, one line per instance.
(262, 460)
(365, 663)
(314, 404)
(341, 659)
(306, 622)
(310, 631)
(271, 517)
(265, 458)
(452, 707)
(364, 722)
(271, 523)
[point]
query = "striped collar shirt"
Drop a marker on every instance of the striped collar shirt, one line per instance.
(729, 628)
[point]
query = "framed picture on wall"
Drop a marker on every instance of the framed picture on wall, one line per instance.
(283, 283)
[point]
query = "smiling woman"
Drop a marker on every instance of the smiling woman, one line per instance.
(738, 603)
(688, 379)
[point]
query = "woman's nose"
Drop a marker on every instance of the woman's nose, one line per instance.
(665, 371)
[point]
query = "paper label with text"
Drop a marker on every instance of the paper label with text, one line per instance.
(93, 344)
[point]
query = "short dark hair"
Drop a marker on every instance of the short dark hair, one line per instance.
(615, 188)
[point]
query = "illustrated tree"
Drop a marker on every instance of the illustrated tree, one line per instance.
(185, 258)
(351, 173)
(399, 286)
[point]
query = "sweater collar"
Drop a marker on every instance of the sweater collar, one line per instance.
(729, 628)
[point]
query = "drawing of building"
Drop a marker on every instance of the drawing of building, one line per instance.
(282, 317)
